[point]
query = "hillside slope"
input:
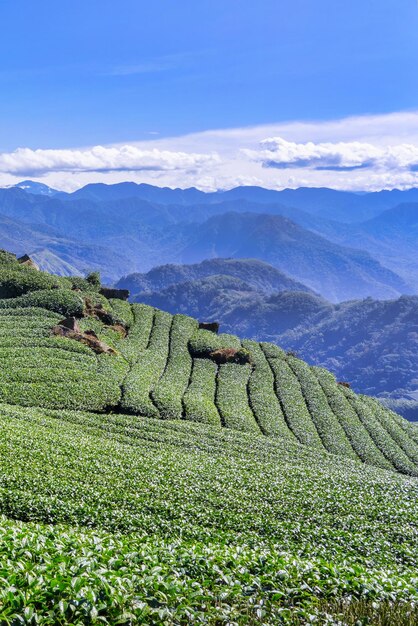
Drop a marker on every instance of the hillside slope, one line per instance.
(165, 368)
(371, 343)
(142, 482)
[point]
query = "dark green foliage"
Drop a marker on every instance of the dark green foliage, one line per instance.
(94, 279)
(67, 303)
(199, 399)
(232, 399)
(15, 283)
(204, 342)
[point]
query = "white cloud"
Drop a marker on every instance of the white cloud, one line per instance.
(356, 153)
(128, 158)
(279, 153)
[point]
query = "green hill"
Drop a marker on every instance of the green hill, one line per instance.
(143, 482)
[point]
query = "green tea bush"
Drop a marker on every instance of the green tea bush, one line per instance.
(272, 351)
(262, 396)
(139, 332)
(409, 427)
(123, 311)
(93, 393)
(15, 283)
(37, 369)
(59, 343)
(199, 399)
(76, 282)
(168, 394)
(198, 514)
(45, 358)
(398, 434)
(105, 333)
(360, 439)
(232, 398)
(145, 374)
(65, 302)
(294, 406)
(204, 342)
(327, 424)
(7, 259)
(94, 280)
(390, 449)
(28, 313)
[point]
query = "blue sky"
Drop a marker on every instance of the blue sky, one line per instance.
(99, 72)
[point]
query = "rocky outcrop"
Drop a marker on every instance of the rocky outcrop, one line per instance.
(28, 262)
(71, 323)
(97, 311)
(70, 329)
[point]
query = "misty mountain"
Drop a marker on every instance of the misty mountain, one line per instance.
(35, 188)
(239, 306)
(343, 206)
(106, 220)
(255, 274)
(336, 272)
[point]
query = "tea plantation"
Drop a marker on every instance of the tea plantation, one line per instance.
(152, 483)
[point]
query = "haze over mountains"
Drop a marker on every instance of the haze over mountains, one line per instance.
(128, 227)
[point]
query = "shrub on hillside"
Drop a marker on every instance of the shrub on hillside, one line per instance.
(14, 283)
(63, 301)
(204, 342)
(94, 279)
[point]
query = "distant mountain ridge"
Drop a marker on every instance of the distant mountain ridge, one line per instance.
(128, 227)
(37, 188)
(337, 273)
(326, 203)
(254, 273)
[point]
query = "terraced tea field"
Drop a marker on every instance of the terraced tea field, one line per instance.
(155, 483)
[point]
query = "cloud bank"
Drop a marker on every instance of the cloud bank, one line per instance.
(278, 153)
(128, 158)
(363, 153)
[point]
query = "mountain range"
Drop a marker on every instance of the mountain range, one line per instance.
(128, 227)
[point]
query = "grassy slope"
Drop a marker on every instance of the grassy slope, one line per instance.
(117, 518)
